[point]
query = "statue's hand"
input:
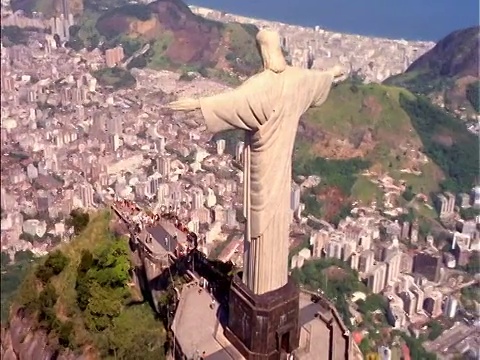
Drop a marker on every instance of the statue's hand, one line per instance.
(337, 71)
(184, 105)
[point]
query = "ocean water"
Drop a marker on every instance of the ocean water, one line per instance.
(406, 19)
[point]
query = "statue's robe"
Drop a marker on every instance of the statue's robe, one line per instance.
(268, 107)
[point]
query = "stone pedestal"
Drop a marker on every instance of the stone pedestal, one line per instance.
(263, 327)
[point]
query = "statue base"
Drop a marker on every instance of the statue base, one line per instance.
(263, 327)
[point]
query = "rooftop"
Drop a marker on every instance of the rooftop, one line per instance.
(196, 311)
(321, 328)
(164, 235)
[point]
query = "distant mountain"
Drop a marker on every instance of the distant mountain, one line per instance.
(448, 72)
(177, 38)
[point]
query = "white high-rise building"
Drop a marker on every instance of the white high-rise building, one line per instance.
(210, 199)
(384, 353)
(239, 151)
(295, 196)
(393, 267)
(221, 145)
(3, 199)
(86, 195)
(197, 199)
(164, 166)
(32, 171)
(163, 194)
(476, 197)
(451, 305)
(160, 145)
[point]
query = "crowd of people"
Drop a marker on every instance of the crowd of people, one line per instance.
(147, 219)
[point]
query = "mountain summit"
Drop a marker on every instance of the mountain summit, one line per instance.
(448, 73)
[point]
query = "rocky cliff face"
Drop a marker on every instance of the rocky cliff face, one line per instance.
(20, 340)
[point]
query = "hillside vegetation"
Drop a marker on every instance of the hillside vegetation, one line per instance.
(448, 70)
(385, 129)
(446, 142)
(176, 38)
(12, 275)
(80, 295)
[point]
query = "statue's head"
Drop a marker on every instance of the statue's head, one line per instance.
(271, 51)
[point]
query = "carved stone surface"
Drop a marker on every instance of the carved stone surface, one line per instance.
(267, 107)
(263, 327)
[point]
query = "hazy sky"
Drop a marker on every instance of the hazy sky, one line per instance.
(409, 19)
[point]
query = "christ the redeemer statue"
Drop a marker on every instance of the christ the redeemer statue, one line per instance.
(268, 107)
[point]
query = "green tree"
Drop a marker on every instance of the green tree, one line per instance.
(116, 77)
(83, 280)
(341, 174)
(373, 302)
(27, 237)
(73, 30)
(136, 335)
(473, 95)
(11, 279)
(408, 194)
(56, 261)
(103, 306)
(23, 255)
(338, 287)
(138, 62)
(410, 216)
(66, 335)
(46, 312)
(86, 262)
(435, 330)
(53, 265)
(473, 266)
(75, 43)
(112, 265)
(469, 213)
(79, 220)
(458, 157)
(365, 346)
(5, 259)
(14, 35)
(345, 210)
(424, 227)
(102, 283)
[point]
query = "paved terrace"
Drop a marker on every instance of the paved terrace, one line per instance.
(197, 329)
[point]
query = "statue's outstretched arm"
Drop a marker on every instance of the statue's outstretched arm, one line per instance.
(322, 81)
(224, 111)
